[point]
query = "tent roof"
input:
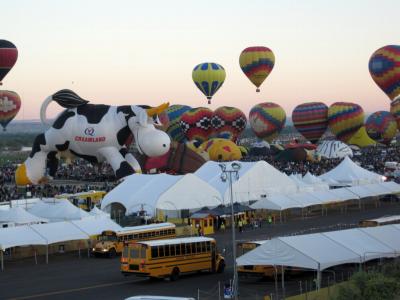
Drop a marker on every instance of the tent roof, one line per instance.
(348, 172)
(276, 202)
(19, 215)
(59, 231)
(59, 210)
(98, 212)
(323, 250)
(19, 236)
(96, 225)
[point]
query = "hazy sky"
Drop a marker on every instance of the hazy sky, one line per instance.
(143, 52)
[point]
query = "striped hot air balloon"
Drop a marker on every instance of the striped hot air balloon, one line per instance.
(381, 127)
(345, 119)
(384, 67)
(267, 120)
(8, 57)
(10, 104)
(208, 78)
(170, 118)
(395, 111)
(257, 63)
(311, 120)
(228, 122)
(196, 124)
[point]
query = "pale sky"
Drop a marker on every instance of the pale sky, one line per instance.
(143, 52)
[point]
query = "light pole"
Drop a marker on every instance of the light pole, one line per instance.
(227, 171)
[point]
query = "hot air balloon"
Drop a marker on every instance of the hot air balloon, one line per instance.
(208, 78)
(345, 119)
(267, 120)
(228, 122)
(381, 127)
(8, 57)
(395, 111)
(10, 103)
(171, 118)
(196, 124)
(311, 120)
(257, 63)
(384, 67)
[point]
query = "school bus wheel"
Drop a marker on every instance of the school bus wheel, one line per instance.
(174, 274)
(221, 266)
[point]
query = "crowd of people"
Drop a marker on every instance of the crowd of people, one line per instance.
(101, 177)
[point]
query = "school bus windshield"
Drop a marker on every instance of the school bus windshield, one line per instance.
(107, 238)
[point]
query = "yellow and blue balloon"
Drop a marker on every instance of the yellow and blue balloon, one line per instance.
(208, 78)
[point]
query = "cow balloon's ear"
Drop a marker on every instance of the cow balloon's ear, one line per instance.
(141, 115)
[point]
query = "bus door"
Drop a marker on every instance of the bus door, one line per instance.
(213, 257)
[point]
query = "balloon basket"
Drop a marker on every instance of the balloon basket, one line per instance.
(209, 101)
(257, 90)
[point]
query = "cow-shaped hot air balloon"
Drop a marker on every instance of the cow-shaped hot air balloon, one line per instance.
(228, 122)
(267, 120)
(381, 127)
(311, 120)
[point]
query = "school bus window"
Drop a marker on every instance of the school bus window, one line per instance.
(211, 222)
(172, 250)
(178, 249)
(135, 236)
(188, 250)
(161, 251)
(134, 253)
(152, 233)
(143, 252)
(154, 252)
(125, 252)
(208, 246)
(166, 250)
(198, 246)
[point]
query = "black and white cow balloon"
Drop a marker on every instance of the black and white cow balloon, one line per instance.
(96, 133)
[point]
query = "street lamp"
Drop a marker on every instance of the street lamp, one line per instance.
(227, 171)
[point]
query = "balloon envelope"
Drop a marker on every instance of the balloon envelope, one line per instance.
(196, 124)
(395, 111)
(311, 120)
(345, 119)
(10, 103)
(257, 63)
(208, 78)
(384, 67)
(267, 120)
(171, 118)
(381, 127)
(228, 122)
(8, 57)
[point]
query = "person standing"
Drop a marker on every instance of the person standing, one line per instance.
(240, 225)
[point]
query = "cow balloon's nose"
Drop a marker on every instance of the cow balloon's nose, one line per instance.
(164, 145)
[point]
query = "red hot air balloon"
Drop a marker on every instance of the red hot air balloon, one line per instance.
(228, 122)
(10, 103)
(196, 124)
(8, 57)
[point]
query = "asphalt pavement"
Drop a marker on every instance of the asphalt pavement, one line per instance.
(70, 277)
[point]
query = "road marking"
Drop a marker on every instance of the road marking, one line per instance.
(71, 290)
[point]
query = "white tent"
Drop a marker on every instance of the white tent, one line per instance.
(19, 236)
(59, 232)
(59, 210)
(162, 191)
(392, 186)
(334, 149)
(19, 216)
(276, 202)
(256, 180)
(315, 182)
(349, 173)
(301, 185)
(96, 225)
(98, 212)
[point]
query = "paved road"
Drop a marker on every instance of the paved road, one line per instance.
(68, 277)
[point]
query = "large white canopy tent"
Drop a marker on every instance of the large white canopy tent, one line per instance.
(349, 173)
(19, 216)
(58, 210)
(320, 251)
(256, 180)
(161, 191)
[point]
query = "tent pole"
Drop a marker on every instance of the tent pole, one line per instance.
(47, 253)
(283, 283)
(319, 277)
(276, 281)
(2, 260)
(88, 248)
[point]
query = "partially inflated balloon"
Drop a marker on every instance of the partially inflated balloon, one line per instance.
(208, 78)
(345, 119)
(228, 122)
(381, 127)
(311, 120)
(170, 118)
(267, 120)
(10, 103)
(257, 63)
(8, 57)
(196, 124)
(395, 111)
(384, 67)
(361, 139)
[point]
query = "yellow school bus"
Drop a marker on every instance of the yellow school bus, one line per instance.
(110, 243)
(84, 200)
(380, 221)
(262, 271)
(171, 258)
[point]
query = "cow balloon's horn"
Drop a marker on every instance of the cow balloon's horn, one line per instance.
(157, 110)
